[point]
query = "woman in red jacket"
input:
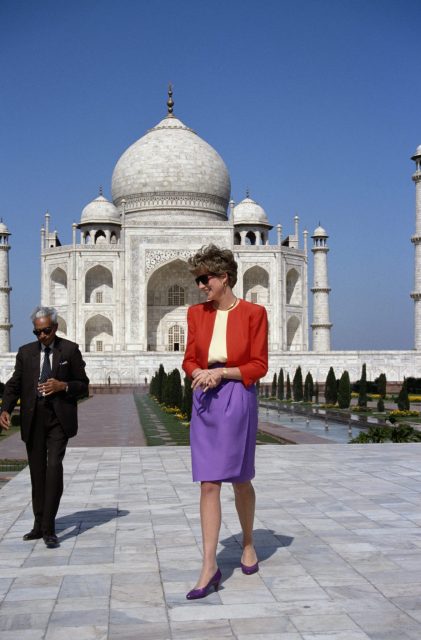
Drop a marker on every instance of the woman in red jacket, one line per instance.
(226, 353)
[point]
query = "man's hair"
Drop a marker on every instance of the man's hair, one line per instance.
(44, 312)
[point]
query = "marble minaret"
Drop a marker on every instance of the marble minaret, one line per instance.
(321, 324)
(416, 239)
(5, 289)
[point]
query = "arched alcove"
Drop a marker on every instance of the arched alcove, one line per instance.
(99, 285)
(62, 326)
(98, 334)
(293, 287)
(237, 238)
(100, 237)
(250, 238)
(58, 287)
(293, 334)
(256, 285)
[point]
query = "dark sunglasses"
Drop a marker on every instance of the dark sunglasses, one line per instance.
(47, 331)
(204, 278)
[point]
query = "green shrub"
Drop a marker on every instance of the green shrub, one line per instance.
(297, 385)
(362, 396)
(281, 385)
(403, 398)
(331, 388)
(344, 391)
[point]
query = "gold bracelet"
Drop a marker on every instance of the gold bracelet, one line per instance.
(224, 372)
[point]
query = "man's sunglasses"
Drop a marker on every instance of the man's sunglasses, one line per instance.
(46, 330)
(204, 278)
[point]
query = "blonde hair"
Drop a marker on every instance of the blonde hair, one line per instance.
(213, 259)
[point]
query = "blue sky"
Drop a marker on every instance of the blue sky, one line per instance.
(313, 104)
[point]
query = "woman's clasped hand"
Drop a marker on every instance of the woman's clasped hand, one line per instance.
(206, 379)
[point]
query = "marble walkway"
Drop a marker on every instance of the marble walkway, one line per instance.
(337, 531)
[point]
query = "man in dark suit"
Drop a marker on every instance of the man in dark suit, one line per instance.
(49, 377)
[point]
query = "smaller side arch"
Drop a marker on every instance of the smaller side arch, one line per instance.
(293, 334)
(293, 287)
(58, 287)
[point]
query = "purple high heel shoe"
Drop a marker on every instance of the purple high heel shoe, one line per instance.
(195, 594)
(248, 571)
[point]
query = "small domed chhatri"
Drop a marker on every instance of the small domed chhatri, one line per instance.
(319, 232)
(3, 228)
(248, 211)
(100, 210)
(417, 153)
(171, 168)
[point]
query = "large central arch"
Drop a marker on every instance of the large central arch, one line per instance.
(171, 289)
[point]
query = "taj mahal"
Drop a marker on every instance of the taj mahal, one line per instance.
(122, 286)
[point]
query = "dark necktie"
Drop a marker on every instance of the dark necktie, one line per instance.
(46, 367)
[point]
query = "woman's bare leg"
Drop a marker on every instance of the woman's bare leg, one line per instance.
(210, 519)
(245, 502)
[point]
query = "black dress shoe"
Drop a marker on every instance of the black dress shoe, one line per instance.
(51, 540)
(33, 535)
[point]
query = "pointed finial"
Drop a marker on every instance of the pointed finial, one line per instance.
(170, 101)
(100, 190)
(247, 192)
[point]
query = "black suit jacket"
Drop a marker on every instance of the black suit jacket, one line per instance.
(67, 366)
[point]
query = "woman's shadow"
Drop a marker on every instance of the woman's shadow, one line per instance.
(266, 543)
(84, 520)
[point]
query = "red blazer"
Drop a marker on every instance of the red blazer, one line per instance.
(247, 339)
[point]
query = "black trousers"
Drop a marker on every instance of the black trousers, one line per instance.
(46, 448)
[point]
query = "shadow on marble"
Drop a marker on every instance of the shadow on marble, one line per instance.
(82, 521)
(266, 543)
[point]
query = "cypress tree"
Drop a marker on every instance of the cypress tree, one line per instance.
(297, 385)
(344, 391)
(380, 405)
(381, 385)
(403, 398)
(281, 385)
(316, 393)
(177, 390)
(288, 387)
(308, 388)
(160, 382)
(362, 396)
(331, 388)
(165, 389)
(274, 386)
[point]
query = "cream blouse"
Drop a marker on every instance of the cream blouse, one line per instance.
(218, 345)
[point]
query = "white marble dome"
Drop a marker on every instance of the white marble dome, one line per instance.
(249, 212)
(319, 232)
(171, 167)
(100, 210)
(417, 153)
(3, 228)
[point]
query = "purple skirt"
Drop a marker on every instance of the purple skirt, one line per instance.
(223, 432)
